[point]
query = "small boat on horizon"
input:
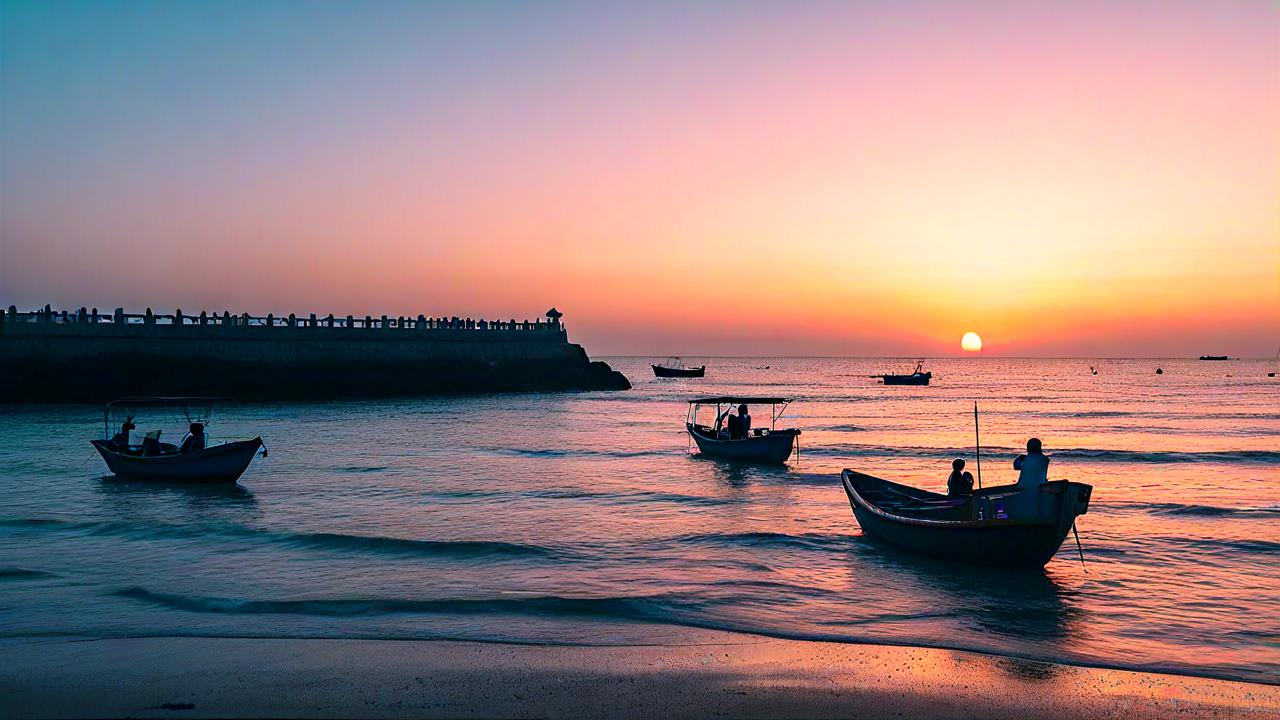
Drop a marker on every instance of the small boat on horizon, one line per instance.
(1214, 357)
(917, 377)
(149, 458)
(730, 441)
(1001, 525)
(675, 368)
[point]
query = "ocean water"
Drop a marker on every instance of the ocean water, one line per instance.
(582, 518)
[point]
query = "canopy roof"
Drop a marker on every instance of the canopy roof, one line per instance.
(735, 399)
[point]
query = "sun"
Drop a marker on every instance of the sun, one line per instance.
(971, 342)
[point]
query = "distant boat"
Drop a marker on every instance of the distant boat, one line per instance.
(761, 445)
(674, 368)
(1214, 357)
(152, 459)
(915, 378)
(995, 526)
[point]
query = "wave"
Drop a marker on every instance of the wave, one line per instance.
(22, 574)
(651, 607)
(469, 549)
(374, 544)
(1216, 545)
(806, 541)
(580, 452)
(1210, 510)
(1101, 455)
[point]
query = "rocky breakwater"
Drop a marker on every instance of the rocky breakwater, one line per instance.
(86, 356)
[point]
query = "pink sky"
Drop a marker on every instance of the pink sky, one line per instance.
(1064, 179)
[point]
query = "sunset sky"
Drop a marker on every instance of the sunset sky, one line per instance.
(1076, 178)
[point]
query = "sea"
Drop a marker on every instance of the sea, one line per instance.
(586, 518)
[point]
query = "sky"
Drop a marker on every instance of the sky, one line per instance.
(702, 178)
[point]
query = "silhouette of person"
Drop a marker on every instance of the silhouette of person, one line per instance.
(959, 482)
(194, 440)
(1033, 468)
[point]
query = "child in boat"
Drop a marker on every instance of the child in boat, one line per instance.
(1033, 468)
(959, 482)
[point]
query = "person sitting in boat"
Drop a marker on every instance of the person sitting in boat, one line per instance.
(960, 482)
(744, 421)
(194, 440)
(121, 439)
(724, 419)
(1033, 467)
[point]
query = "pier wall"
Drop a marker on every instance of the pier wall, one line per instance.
(79, 357)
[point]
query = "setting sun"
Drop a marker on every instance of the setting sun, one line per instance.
(971, 342)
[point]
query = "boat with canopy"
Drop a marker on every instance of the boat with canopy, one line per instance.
(723, 438)
(674, 368)
(129, 453)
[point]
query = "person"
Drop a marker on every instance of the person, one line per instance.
(1033, 468)
(194, 440)
(960, 482)
(744, 421)
(724, 419)
(121, 439)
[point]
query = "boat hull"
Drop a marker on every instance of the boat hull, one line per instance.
(913, 379)
(1028, 538)
(218, 464)
(670, 372)
(774, 447)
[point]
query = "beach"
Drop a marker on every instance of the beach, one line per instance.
(720, 675)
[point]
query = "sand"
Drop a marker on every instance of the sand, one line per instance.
(725, 675)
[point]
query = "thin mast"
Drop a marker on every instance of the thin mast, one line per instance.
(977, 443)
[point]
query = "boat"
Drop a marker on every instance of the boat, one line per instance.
(1214, 357)
(760, 445)
(1001, 525)
(915, 378)
(676, 369)
(152, 459)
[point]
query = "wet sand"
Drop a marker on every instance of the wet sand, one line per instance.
(720, 675)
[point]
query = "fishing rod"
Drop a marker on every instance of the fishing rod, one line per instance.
(977, 443)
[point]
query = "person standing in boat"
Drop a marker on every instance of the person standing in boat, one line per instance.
(960, 482)
(1033, 468)
(744, 421)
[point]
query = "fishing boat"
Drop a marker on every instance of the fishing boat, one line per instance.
(1001, 525)
(758, 445)
(150, 458)
(917, 377)
(674, 368)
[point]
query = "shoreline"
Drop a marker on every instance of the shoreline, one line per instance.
(725, 674)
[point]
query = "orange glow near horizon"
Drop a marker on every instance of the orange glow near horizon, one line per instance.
(864, 180)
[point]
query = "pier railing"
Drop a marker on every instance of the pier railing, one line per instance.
(421, 323)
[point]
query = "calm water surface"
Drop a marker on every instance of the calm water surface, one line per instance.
(581, 518)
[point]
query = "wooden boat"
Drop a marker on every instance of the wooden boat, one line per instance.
(760, 445)
(676, 369)
(995, 526)
(155, 460)
(915, 378)
(223, 463)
